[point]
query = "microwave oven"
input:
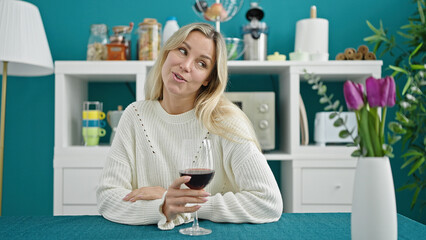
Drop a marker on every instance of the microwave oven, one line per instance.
(260, 110)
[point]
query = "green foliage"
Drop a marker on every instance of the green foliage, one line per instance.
(410, 119)
(335, 108)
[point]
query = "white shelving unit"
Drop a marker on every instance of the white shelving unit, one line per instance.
(313, 179)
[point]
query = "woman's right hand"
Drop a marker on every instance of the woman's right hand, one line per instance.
(176, 199)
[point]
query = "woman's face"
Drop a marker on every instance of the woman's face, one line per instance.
(188, 67)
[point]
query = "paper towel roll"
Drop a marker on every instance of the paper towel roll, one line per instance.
(312, 35)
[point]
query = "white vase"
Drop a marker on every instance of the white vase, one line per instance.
(373, 206)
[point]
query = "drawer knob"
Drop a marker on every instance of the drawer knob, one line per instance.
(338, 186)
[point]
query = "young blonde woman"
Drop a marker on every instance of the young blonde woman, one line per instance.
(140, 183)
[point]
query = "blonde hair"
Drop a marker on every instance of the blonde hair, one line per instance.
(212, 108)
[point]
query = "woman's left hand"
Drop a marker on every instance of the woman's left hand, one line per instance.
(145, 193)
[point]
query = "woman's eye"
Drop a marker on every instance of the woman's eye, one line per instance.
(202, 64)
(182, 50)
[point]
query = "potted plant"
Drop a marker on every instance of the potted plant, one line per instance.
(409, 71)
(373, 205)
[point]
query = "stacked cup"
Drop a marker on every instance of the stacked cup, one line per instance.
(92, 127)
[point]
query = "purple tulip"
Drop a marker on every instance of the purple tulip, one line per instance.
(380, 92)
(354, 95)
(390, 100)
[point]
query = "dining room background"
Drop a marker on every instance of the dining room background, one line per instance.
(29, 134)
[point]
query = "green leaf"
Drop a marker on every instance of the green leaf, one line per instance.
(332, 115)
(393, 139)
(322, 90)
(402, 118)
(356, 153)
(421, 14)
(336, 104)
(389, 154)
(339, 122)
(396, 128)
(314, 87)
(323, 100)
(415, 196)
(357, 140)
(375, 30)
(414, 52)
(344, 134)
(328, 107)
(407, 186)
(416, 165)
(408, 162)
(407, 85)
(371, 39)
(412, 152)
(405, 35)
(377, 46)
(398, 69)
(417, 67)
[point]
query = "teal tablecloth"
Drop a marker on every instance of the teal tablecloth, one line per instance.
(291, 226)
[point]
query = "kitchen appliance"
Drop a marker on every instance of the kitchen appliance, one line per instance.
(255, 34)
(326, 132)
(260, 109)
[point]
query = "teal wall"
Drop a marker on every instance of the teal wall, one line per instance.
(29, 134)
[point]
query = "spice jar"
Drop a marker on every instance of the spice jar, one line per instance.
(96, 47)
(149, 41)
(120, 42)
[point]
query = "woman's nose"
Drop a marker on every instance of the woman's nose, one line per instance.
(186, 65)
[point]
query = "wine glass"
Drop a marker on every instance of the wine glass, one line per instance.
(200, 168)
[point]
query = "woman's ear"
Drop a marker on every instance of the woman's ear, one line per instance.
(206, 82)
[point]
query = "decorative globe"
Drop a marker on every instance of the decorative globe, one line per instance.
(215, 10)
(235, 47)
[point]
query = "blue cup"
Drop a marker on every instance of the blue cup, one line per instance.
(93, 123)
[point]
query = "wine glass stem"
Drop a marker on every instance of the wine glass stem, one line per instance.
(217, 25)
(195, 224)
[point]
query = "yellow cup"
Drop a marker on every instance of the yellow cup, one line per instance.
(93, 114)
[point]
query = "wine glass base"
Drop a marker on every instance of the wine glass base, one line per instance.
(195, 231)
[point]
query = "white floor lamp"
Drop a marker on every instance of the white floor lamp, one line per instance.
(24, 51)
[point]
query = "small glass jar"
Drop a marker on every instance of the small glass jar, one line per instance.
(120, 42)
(149, 41)
(96, 47)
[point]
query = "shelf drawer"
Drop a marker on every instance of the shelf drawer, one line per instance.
(80, 185)
(327, 185)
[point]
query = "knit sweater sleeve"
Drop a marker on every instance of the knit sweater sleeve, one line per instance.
(118, 179)
(258, 198)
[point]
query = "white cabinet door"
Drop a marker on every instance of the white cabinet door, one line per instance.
(327, 185)
(80, 185)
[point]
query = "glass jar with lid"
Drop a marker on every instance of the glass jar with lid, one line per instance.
(96, 47)
(120, 42)
(149, 41)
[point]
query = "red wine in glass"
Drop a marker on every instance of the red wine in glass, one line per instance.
(201, 172)
(200, 177)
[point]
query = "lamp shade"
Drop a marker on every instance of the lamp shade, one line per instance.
(23, 42)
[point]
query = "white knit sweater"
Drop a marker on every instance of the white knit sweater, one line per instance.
(147, 150)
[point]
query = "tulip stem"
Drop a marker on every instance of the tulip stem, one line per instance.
(374, 123)
(382, 125)
(364, 132)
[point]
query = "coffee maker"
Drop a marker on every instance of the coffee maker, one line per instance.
(255, 34)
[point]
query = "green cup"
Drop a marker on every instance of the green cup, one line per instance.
(91, 135)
